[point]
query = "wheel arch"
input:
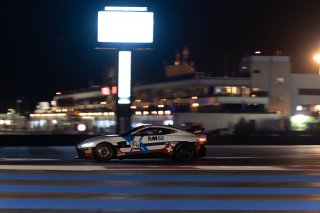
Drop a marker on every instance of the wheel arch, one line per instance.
(188, 143)
(113, 147)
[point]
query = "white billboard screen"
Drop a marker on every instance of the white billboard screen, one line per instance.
(125, 27)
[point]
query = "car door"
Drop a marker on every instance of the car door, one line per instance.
(151, 139)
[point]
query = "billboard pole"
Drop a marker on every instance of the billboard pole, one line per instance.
(124, 93)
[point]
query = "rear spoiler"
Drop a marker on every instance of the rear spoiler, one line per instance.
(197, 131)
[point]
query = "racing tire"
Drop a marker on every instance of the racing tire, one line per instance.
(103, 152)
(202, 153)
(184, 152)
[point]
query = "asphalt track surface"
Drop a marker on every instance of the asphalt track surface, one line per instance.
(229, 179)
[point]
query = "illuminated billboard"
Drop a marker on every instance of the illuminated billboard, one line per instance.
(125, 26)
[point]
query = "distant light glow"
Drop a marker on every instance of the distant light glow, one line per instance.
(105, 91)
(5, 122)
(258, 52)
(48, 115)
(94, 114)
(317, 58)
(299, 119)
(125, 27)
(82, 127)
(137, 9)
(167, 112)
(53, 103)
(124, 79)
(168, 122)
(195, 105)
(114, 90)
(299, 108)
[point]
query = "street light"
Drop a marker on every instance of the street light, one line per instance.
(317, 59)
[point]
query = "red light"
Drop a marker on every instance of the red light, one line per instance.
(202, 140)
(105, 91)
(114, 90)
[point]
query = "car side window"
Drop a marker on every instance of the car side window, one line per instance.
(155, 131)
(149, 131)
(162, 131)
(167, 131)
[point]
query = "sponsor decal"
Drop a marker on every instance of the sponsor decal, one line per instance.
(136, 145)
(156, 138)
(169, 149)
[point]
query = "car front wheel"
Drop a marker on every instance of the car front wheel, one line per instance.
(184, 152)
(103, 152)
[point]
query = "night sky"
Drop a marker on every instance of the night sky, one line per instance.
(48, 45)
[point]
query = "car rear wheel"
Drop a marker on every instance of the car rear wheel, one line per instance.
(184, 152)
(103, 152)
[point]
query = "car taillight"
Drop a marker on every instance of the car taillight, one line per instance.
(202, 139)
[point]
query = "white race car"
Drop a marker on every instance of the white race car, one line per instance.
(145, 140)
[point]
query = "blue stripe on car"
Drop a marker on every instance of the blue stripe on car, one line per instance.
(143, 148)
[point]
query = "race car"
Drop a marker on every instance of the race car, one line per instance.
(145, 140)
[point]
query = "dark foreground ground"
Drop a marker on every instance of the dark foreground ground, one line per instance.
(275, 138)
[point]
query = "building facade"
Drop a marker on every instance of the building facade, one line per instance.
(269, 92)
(305, 94)
(271, 75)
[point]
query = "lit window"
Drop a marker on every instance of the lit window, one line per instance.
(227, 90)
(234, 90)
(280, 98)
(218, 90)
(280, 80)
(245, 91)
(317, 107)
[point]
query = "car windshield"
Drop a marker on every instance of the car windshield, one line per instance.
(128, 132)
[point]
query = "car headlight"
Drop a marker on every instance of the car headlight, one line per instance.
(87, 145)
